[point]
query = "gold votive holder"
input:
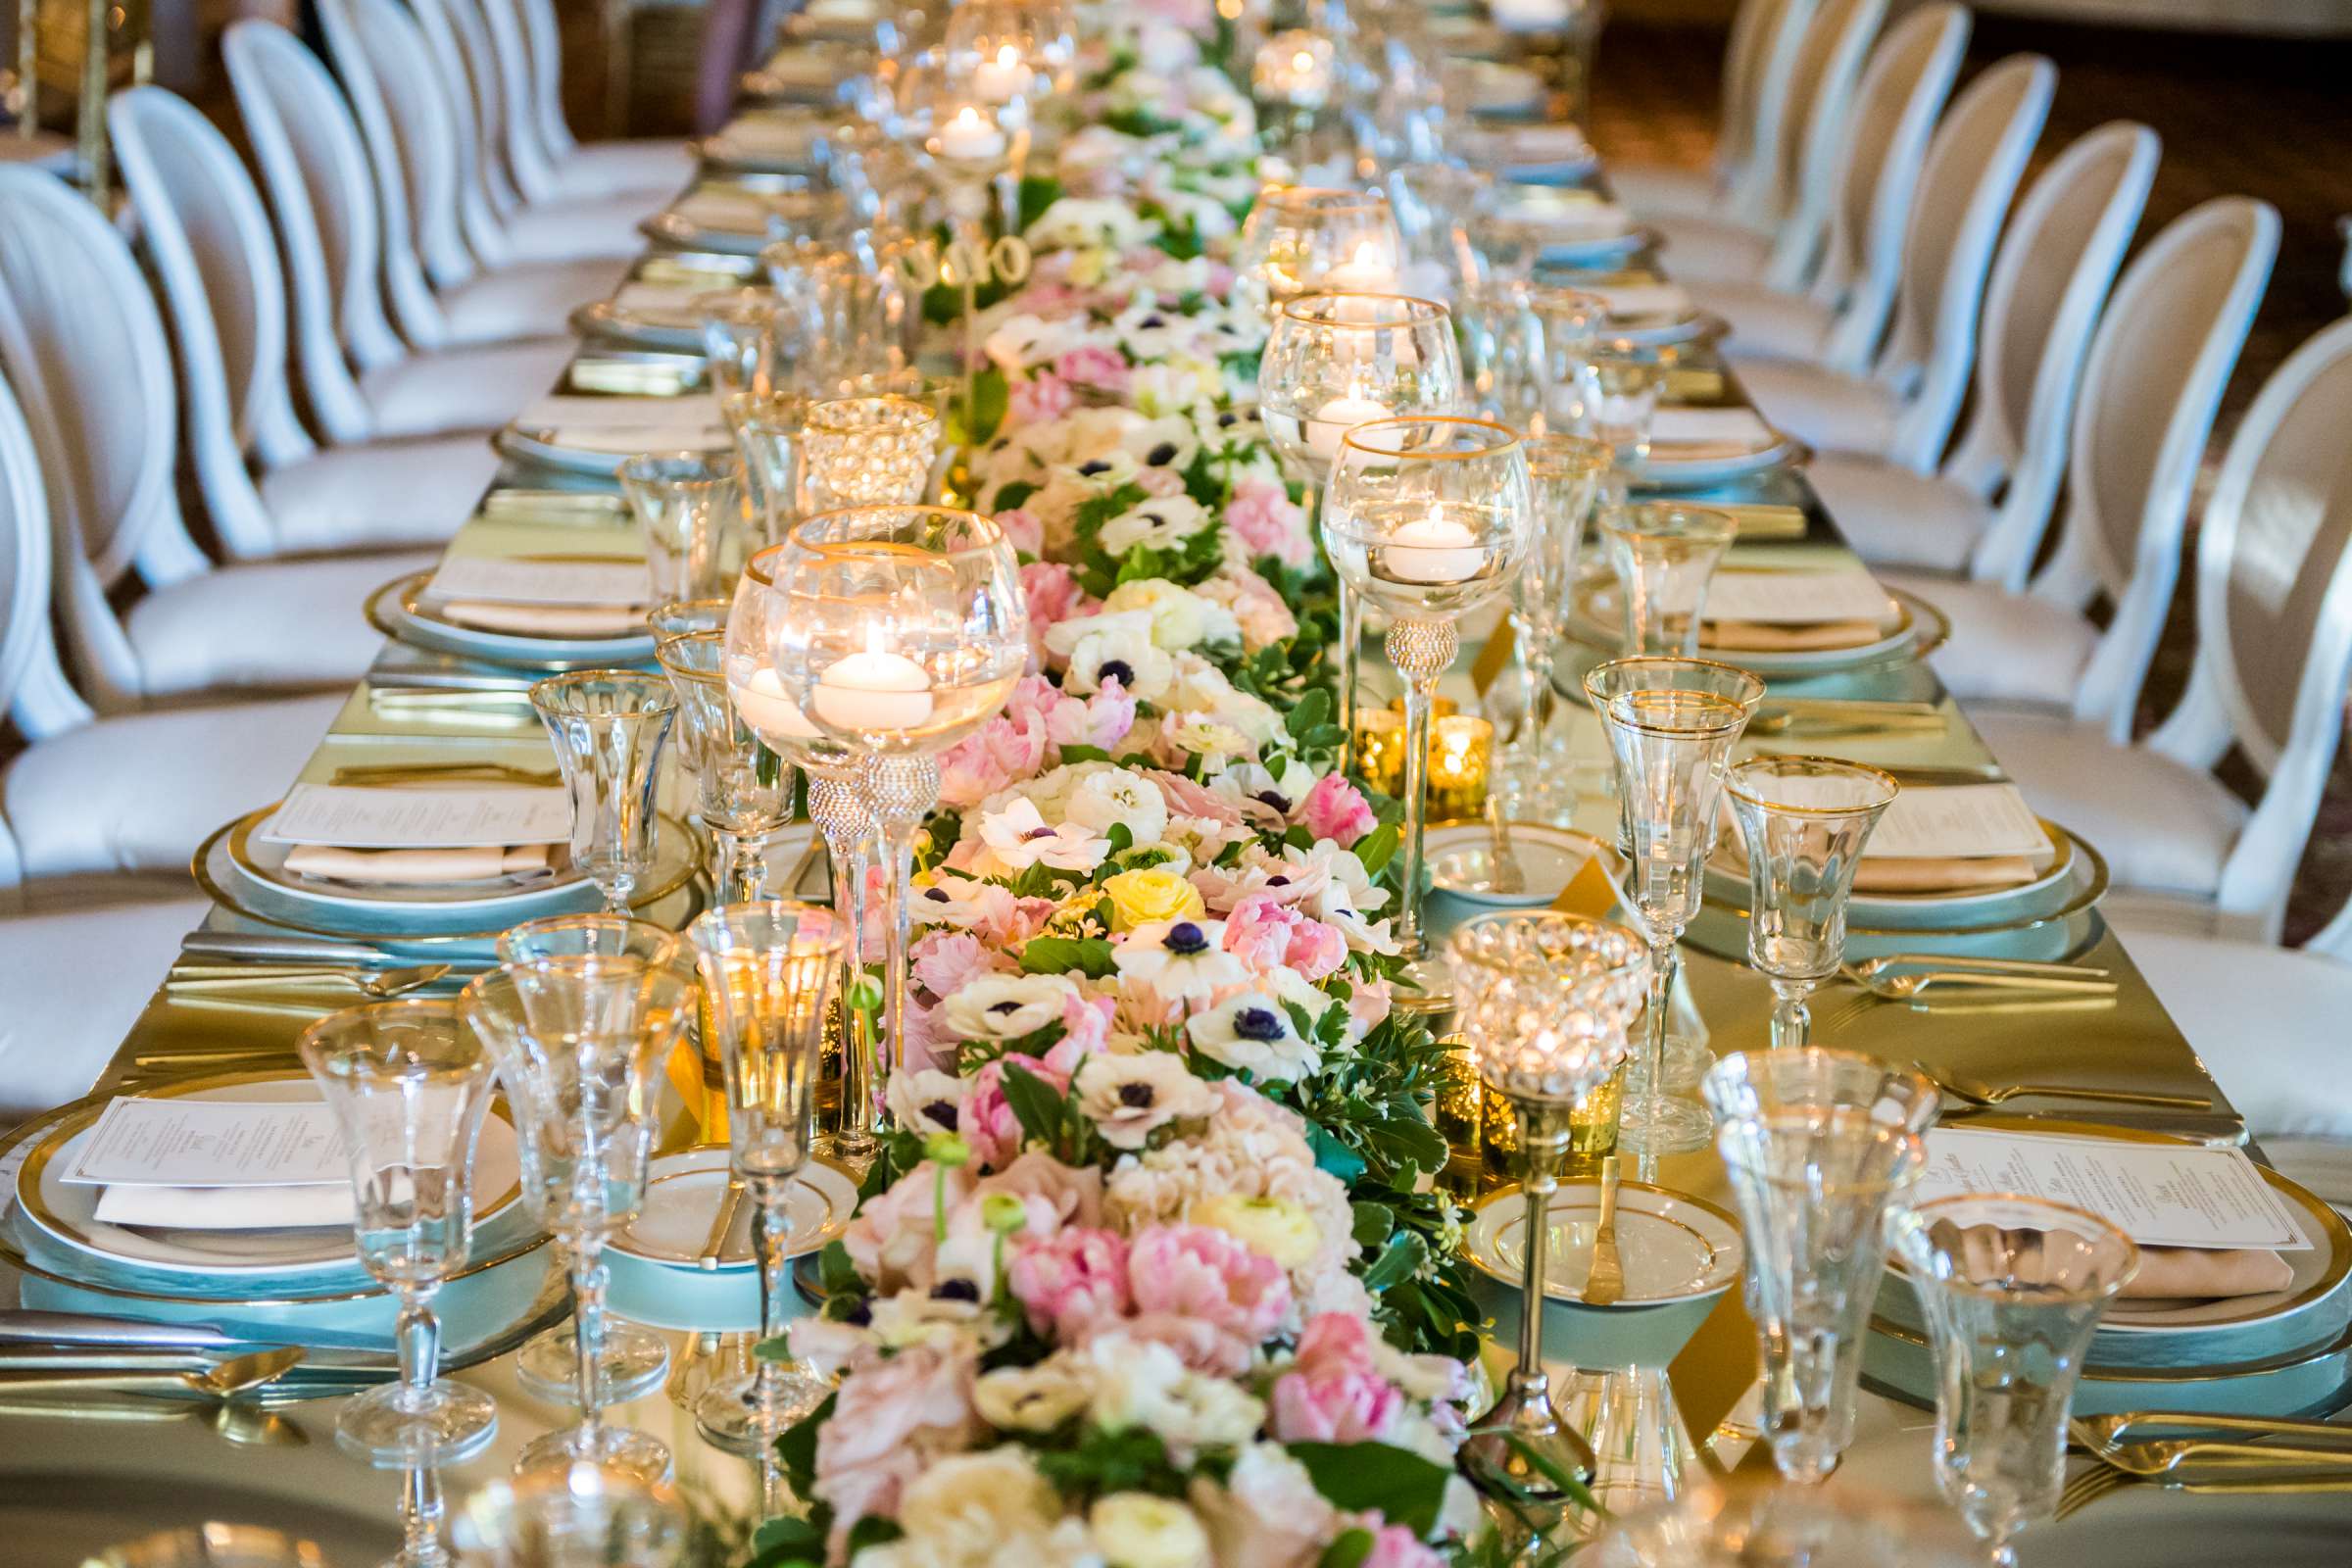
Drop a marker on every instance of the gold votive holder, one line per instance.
(1459, 1117)
(1592, 1133)
(1380, 750)
(1460, 750)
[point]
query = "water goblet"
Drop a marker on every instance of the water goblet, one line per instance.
(580, 1016)
(1810, 1078)
(743, 790)
(1439, 208)
(866, 451)
(1570, 320)
(1664, 554)
(690, 507)
(1805, 821)
(583, 1517)
(1304, 239)
(1564, 475)
(767, 438)
(1671, 724)
(896, 632)
(739, 339)
(1334, 361)
(608, 727)
(2012, 1289)
(1813, 1187)
(1429, 519)
(1748, 1525)
(684, 618)
(408, 1089)
(768, 973)
(1544, 1003)
(1501, 344)
(1618, 386)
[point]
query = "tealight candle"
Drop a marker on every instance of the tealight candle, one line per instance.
(1001, 79)
(1366, 272)
(1334, 420)
(875, 692)
(774, 717)
(968, 139)
(1531, 16)
(1436, 549)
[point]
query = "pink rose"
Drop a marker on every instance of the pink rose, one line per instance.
(1267, 522)
(1094, 366)
(1023, 529)
(1193, 1273)
(896, 1417)
(1071, 1282)
(1041, 397)
(1070, 1194)
(1397, 1547)
(1368, 1004)
(1337, 810)
(1052, 594)
(989, 1124)
(892, 1243)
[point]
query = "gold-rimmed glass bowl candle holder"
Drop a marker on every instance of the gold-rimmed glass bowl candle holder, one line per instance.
(689, 506)
(1334, 361)
(869, 451)
(608, 727)
(1806, 821)
(1671, 724)
(1296, 236)
(1664, 554)
(897, 631)
(1429, 518)
(743, 790)
(2012, 1289)
(1565, 473)
(1544, 1002)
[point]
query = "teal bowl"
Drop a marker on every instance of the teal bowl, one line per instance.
(1680, 1255)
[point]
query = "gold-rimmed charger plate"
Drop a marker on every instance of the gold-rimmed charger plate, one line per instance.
(683, 1191)
(398, 610)
(1915, 630)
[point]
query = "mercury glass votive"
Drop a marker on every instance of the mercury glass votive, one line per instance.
(1380, 749)
(1460, 753)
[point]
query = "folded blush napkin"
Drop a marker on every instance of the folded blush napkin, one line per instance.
(733, 210)
(1628, 300)
(1562, 141)
(625, 426)
(2166, 1273)
(227, 1208)
(1898, 874)
(1693, 434)
(422, 868)
(1757, 637)
(542, 621)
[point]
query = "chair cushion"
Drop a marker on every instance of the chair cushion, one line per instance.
(476, 388)
(55, 1038)
(2269, 1023)
(2161, 825)
(1655, 191)
(140, 792)
(267, 625)
(646, 166)
(1827, 409)
(1765, 323)
(378, 494)
(573, 230)
(1709, 250)
(1895, 517)
(527, 301)
(2005, 647)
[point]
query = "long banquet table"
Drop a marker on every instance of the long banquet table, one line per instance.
(76, 1479)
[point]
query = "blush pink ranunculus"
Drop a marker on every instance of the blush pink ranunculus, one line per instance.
(1041, 397)
(1267, 522)
(1269, 934)
(1200, 1345)
(1071, 1282)
(893, 1241)
(1337, 810)
(1052, 592)
(989, 1124)
(1161, 484)
(1094, 366)
(946, 961)
(1024, 530)
(1005, 751)
(1196, 1272)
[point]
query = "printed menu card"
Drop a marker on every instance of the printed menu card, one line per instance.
(2159, 1194)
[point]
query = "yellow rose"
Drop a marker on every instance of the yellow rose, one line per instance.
(1273, 1227)
(1154, 893)
(1137, 1530)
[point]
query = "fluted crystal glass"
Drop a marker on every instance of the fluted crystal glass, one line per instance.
(683, 617)
(608, 727)
(1618, 388)
(767, 440)
(1564, 477)
(1304, 239)
(1572, 320)
(1430, 518)
(1671, 724)
(1337, 360)
(1664, 554)
(1501, 343)
(2012, 1289)
(1544, 1002)
(743, 790)
(866, 451)
(689, 506)
(739, 339)
(1806, 821)
(769, 971)
(408, 1088)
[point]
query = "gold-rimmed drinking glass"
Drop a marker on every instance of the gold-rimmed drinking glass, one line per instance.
(1671, 724)
(743, 790)
(1806, 821)
(1334, 361)
(739, 339)
(1565, 473)
(608, 727)
(1544, 1002)
(1664, 554)
(1502, 342)
(1440, 209)
(689, 506)
(683, 617)
(872, 451)
(1572, 320)
(897, 631)
(1296, 238)
(768, 439)
(1429, 519)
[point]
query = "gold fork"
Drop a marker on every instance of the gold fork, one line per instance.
(1604, 1281)
(2088, 1487)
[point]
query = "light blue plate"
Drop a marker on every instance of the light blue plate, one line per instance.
(655, 1279)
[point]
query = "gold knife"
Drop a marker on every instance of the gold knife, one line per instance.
(1604, 1281)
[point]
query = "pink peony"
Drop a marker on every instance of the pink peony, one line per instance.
(1397, 1547)
(1094, 366)
(1086, 1029)
(1332, 1391)
(989, 1124)
(946, 961)
(1023, 529)
(1337, 810)
(1202, 1346)
(1005, 751)
(1193, 1273)
(1041, 397)
(892, 1419)
(1269, 934)
(1071, 1282)
(1267, 522)
(1053, 596)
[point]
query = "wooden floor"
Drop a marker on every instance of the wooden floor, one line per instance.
(2259, 118)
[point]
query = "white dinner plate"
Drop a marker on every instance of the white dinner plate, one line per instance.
(1549, 858)
(67, 1211)
(1703, 464)
(682, 1195)
(1598, 621)
(1673, 1248)
(534, 444)
(667, 330)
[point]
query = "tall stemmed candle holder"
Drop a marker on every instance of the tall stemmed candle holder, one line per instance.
(897, 631)
(1544, 1003)
(1671, 724)
(1334, 361)
(967, 144)
(1313, 239)
(1805, 821)
(1564, 474)
(1430, 519)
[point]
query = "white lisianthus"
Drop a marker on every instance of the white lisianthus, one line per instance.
(1006, 1007)
(1127, 799)
(1112, 647)
(1138, 1530)
(1180, 958)
(1253, 1033)
(1181, 620)
(1019, 837)
(1145, 1384)
(1161, 522)
(1076, 222)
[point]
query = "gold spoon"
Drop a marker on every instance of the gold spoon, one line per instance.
(440, 772)
(1984, 1095)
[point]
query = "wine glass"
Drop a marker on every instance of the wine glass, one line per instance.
(1334, 361)
(608, 727)
(897, 631)
(408, 1089)
(1671, 724)
(1664, 554)
(1430, 518)
(1564, 478)
(769, 974)
(1307, 239)
(1805, 821)
(867, 452)
(690, 506)
(743, 790)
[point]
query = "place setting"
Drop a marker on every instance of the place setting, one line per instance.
(533, 613)
(593, 435)
(742, 215)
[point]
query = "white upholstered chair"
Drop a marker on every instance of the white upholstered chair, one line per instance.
(439, 295)
(1987, 507)
(544, 158)
(1840, 317)
(1904, 408)
(83, 343)
(267, 486)
(1782, 250)
(1759, 62)
(2163, 352)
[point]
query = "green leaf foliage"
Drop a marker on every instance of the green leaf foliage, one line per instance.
(1406, 1488)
